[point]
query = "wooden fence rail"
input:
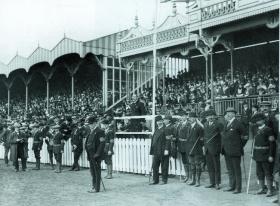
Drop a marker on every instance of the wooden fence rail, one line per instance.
(131, 155)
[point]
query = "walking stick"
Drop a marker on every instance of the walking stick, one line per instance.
(244, 168)
(250, 168)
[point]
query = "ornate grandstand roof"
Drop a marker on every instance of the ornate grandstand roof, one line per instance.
(101, 46)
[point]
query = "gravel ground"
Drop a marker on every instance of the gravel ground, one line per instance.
(47, 188)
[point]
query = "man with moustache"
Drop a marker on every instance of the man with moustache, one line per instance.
(212, 148)
(95, 143)
(233, 141)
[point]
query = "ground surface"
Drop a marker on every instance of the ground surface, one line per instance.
(46, 188)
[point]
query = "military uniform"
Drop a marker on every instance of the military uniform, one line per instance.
(233, 142)
(79, 133)
(264, 154)
(183, 131)
(94, 145)
(109, 145)
(58, 149)
(37, 146)
(196, 152)
(212, 145)
(6, 134)
(49, 141)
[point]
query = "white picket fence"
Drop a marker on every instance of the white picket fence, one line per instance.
(131, 155)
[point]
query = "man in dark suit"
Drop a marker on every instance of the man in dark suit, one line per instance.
(233, 141)
(160, 149)
(212, 147)
(95, 143)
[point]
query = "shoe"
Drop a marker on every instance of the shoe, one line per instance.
(197, 184)
(23, 170)
(163, 183)
(77, 169)
(269, 193)
(217, 187)
(191, 183)
(210, 186)
(153, 183)
(72, 169)
(92, 191)
(16, 170)
(275, 201)
(236, 192)
(261, 191)
(230, 189)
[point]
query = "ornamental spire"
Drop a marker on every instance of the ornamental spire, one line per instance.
(136, 22)
(174, 8)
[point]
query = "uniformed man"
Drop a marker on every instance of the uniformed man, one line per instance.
(78, 134)
(109, 145)
(183, 130)
(49, 141)
(95, 143)
(37, 143)
(6, 134)
(160, 147)
(212, 148)
(23, 145)
(233, 140)
(264, 154)
(195, 152)
(58, 147)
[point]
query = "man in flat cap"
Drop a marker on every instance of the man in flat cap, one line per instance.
(160, 147)
(195, 151)
(182, 135)
(108, 127)
(264, 147)
(37, 144)
(233, 141)
(58, 147)
(95, 143)
(77, 136)
(212, 148)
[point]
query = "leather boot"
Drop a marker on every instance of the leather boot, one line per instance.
(269, 188)
(193, 182)
(187, 172)
(37, 165)
(198, 173)
(262, 189)
(51, 161)
(110, 170)
(77, 168)
(23, 162)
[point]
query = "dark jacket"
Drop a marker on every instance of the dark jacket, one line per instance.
(109, 141)
(196, 140)
(95, 143)
(212, 137)
(232, 140)
(182, 135)
(159, 143)
(37, 140)
(78, 134)
(58, 143)
(264, 145)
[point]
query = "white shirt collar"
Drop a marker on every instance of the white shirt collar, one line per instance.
(193, 124)
(260, 127)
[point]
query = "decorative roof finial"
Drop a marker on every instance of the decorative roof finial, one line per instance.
(17, 53)
(136, 22)
(154, 24)
(64, 35)
(174, 8)
(38, 44)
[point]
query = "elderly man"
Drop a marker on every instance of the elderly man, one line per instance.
(233, 141)
(95, 143)
(212, 148)
(160, 147)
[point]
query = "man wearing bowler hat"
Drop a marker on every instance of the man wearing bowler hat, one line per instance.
(160, 147)
(212, 148)
(233, 141)
(95, 143)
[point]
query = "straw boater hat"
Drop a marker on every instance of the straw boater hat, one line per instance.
(230, 109)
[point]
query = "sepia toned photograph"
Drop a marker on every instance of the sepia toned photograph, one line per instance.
(139, 103)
